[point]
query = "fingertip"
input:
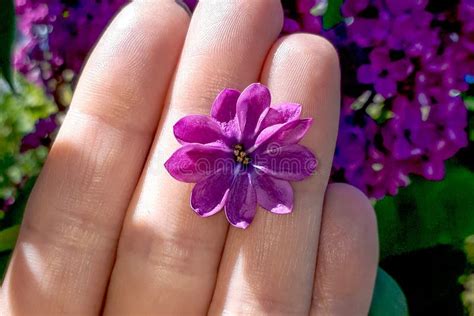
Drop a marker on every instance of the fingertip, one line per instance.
(350, 211)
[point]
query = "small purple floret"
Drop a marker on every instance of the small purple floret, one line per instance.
(243, 155)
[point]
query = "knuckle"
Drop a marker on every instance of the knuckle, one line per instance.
(71, 232)
(178, 253)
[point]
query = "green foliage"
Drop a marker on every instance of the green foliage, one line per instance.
(388, 298)
(468, 279)
(468, 295)
(7, 39)
(469, 248)
(333, 14)
(469, 102)
(427, 213)
(8, 237)
(18, 114)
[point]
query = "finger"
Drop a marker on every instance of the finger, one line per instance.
(268, 269)
(67, 243)
(347, 255)
(168, 256)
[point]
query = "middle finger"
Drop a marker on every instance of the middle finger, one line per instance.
(168, 257)
(269, 268)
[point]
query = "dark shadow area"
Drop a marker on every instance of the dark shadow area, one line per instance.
(429, 279)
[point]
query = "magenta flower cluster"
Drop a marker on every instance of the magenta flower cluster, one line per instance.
(405, 65)
(58, 34)
(416, 58)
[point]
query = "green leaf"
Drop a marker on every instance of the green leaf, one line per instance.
(469, 102)
(469, 249)
(428, 213)
(8, 237)
(388, 298)
(333, 14)
(18, 114)
(7, 39)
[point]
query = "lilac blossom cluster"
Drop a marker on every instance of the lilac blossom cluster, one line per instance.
(57, 35)
(405, 66)
(415, 57)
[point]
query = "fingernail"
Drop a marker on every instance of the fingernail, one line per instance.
(184, 6)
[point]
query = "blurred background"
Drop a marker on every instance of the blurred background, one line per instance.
(406, 134)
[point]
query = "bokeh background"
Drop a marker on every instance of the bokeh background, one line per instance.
(406, 134)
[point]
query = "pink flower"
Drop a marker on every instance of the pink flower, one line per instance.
(243, 154)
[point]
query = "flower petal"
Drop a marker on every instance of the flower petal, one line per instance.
(241, 204)
(283, 134)
(253, 101)
(197, 129)
(365, 74)
(400, 69)
(386, 87)
(280, 114)
(223, 108)
(273, 194)
(194, 162)
(209, 195)
(293, 162)
(380, 58)
(433, 170)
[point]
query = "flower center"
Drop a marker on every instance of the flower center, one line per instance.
(240, 155)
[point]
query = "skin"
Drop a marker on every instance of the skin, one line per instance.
(107, 230)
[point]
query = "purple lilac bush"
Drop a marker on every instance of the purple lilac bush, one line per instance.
(405, 66)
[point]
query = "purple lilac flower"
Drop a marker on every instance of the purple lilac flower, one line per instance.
(5, 204)
(371, 27)
(381, 174)
(191, 4)
(43, 130)
(298, 17)
(420, 41)
(384, 72)
(243, 154)
(351, 8)
(50, 31)
(399, 132)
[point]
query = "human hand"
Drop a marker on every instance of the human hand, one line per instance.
(107, 229)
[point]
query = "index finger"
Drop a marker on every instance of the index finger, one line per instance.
(67, 243)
